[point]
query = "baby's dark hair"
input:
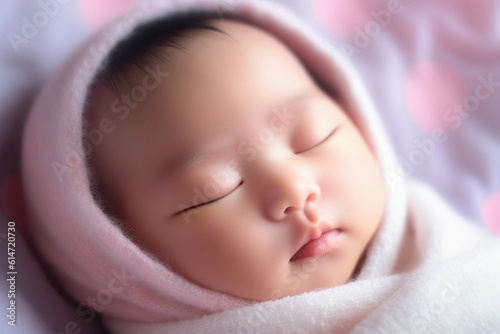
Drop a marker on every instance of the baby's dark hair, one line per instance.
(148, 42)
(143, 46)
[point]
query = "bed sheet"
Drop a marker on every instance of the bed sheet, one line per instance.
(431, 66)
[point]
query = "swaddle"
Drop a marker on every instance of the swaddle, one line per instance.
(420, 269)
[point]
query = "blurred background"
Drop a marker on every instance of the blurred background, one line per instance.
(432, 68)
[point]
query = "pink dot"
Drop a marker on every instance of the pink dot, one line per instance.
(12, 200)
(479, 15)
(96, 13)
(433, 92)
(343, 18)
(490, 212)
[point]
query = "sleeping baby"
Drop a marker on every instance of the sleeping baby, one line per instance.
(207, 173)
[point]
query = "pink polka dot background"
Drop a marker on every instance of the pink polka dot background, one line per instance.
(490, 212)
(341, 17)
(96, 13)
(433, 88)
(12, 200)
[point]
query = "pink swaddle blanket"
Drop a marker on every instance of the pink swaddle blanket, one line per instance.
(101, 268)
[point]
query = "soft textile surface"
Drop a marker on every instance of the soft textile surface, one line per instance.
(422, 48)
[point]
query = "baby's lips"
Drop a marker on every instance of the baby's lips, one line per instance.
(317, 247)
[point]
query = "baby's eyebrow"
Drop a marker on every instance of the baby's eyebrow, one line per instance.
(298, 98)
(214, 147)
(184, 160)
(293, 106)
(295, 100)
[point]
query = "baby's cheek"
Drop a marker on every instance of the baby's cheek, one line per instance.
(356, 184)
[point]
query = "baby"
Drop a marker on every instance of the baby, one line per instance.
(235, 167)
(208, 174)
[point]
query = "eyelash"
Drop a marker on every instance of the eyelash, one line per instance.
(321, 142)
(208, 202)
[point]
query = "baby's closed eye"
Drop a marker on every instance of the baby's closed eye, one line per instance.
(184, 208)
(317, 144)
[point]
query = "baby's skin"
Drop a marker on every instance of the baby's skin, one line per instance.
(237, 170)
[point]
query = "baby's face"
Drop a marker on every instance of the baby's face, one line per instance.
(235, 161)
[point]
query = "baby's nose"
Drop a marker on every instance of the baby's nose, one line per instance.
(308, 208)
(292, 194)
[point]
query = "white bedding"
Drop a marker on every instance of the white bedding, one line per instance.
(419, 60)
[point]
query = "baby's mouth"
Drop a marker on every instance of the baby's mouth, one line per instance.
(317, 247)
